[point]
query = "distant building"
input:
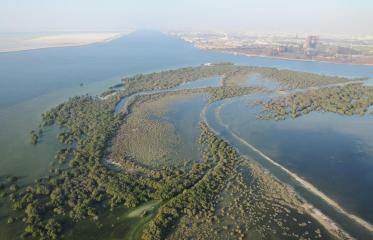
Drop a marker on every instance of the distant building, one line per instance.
(310, 42)
(310, 45)
(282, 49)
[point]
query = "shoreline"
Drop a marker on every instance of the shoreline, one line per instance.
(283, 58)
(63, 44)
(331, 226)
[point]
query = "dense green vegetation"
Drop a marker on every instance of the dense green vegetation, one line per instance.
(288, 79)
(35, 136)
(172, 78)
(292, 79)
(149, 138)
(139, 138)
(239, 75)
(220, 93)
(8, 186)
(232, 75)
(349, 100)
(83, 186)
(251, 206)
(235, 199)
(199, 199)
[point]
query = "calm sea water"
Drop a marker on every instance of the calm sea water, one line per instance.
(33, 81)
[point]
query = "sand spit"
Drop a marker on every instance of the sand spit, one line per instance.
(327, 222)
(331, 225)
(22, 43)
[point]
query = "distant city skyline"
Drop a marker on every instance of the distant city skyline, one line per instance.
(288, 16)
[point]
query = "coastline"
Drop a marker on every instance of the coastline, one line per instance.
(283, 58)
(331, 226)
(64, 43)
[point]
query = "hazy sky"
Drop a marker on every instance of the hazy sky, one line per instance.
(316, 16)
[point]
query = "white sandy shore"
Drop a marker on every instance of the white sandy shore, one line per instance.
(328, 223)
(22, 43)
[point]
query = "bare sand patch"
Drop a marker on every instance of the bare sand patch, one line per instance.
(22, 43)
